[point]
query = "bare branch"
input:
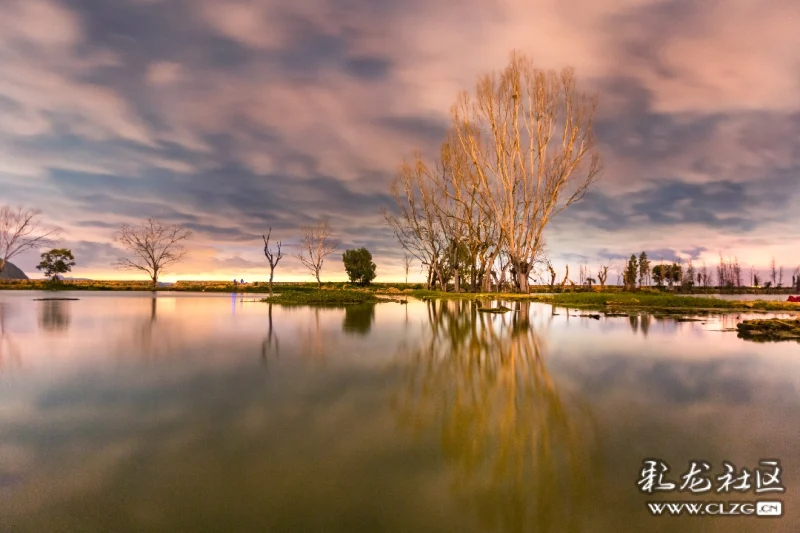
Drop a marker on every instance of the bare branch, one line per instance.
(318, 244)
(20, 231)
(272, 258)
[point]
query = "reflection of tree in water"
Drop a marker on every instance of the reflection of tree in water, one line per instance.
(645, 324)
(154, 337)
(358, 318)
(640, 323)
(54, 315)
(522, 451)
(9, 350)
(270, 344)
(313, 343)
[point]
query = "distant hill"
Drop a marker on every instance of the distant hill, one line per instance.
(12, 272)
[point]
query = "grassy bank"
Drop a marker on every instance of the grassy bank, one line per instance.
(614, 301)
(324, 297)
(662, 302)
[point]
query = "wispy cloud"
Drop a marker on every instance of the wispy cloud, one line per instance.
(233, 115)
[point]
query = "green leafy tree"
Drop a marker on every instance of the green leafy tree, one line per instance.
(675, 274)
(631, 272)
(659, 275)
(56, 261)
(359, 266)
(644, 270)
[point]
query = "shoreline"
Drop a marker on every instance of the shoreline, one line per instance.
(611, 300)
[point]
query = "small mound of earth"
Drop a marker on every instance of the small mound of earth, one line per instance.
(501, 309)
(769, 330)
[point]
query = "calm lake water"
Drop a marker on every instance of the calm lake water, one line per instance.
(122, 412)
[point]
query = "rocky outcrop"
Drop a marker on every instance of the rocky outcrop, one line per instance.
(12, 272)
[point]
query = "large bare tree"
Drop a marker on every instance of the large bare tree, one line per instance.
(153, 246)
(21, 230)
(272, 257)
(316, 246)
(528, 134)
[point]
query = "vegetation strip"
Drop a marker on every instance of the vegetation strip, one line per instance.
(614, 302)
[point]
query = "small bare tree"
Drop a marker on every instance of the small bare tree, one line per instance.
(602, 275)
(407, 264)
(318, 244)
(553, 274)
(773, 272)
(20, 231)
(272, 258)
(153, 245)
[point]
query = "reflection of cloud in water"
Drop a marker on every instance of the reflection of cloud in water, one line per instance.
(9, 348)
(523, 452)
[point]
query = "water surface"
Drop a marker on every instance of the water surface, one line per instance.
(195, 412)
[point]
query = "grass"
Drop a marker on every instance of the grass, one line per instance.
(324, 297)
(74, 285)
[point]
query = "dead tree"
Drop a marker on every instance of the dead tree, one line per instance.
(272, 258)
(602, 275)
(153, 246)
(566, 278)
(417, 226)
(317, 243)
(19, 232)
(553, 275)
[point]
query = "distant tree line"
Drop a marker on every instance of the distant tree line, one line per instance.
(478, 254)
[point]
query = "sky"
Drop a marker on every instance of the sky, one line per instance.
(231, 116)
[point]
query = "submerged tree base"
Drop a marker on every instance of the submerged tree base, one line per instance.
(769, 330)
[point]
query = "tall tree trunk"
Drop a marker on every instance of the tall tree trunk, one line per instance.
(319, 283)
(457, 280)
(489, 266)
(271, 273)
(473, 272)
(522, 276)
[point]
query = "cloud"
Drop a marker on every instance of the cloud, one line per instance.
(230, 116)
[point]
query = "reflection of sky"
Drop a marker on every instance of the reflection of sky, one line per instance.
(179, 422)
